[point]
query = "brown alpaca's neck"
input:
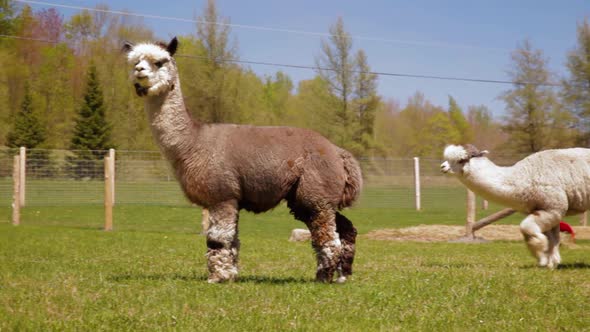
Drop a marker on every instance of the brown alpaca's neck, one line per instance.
(172, 127)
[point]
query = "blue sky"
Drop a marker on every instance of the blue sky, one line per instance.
(463, 38)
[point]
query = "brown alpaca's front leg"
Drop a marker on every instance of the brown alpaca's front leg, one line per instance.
(222, 243)
(347, 234)
(326, 243)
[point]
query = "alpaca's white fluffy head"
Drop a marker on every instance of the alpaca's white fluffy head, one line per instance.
(154, 70)
(458, 156)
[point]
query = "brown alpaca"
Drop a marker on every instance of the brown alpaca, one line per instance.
(225, 168)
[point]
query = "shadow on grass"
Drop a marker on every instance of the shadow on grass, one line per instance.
(157, 277)
(453, 265)
(195, 277)
(573, 266)
(126, 229)
(274, 280)
(568, 266)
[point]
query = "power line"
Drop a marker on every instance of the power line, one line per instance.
(446, 78)
(316, 68)
(263, 28)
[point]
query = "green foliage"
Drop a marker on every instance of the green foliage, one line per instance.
(486, 131)
(7, 10)
(27, 129)
(414, 124)
(277, 95)
(354, 88)
(366, 102)
(529, 106)
(440, 131)
(217, 81)
(314, 105)
(459, 122)
(81, 26)
(55, 93)
(342, 102)
(91, 132)
(575, 88)
(336, 67)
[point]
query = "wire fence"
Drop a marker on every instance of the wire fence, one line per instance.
(67, 177)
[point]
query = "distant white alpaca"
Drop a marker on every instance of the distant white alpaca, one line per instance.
(546, 186)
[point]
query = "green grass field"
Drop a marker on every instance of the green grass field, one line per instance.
(60, 271)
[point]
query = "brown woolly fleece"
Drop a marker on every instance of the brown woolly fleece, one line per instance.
(228, 167)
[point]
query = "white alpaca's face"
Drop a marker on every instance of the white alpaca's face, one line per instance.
(153, 67)
(457, 157)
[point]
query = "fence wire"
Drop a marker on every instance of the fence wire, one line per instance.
(66, 177)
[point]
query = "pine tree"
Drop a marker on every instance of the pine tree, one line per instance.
(336, 66)
(576, 91)
(529, 104)
(28, 131)
(366, 100)
(214, 86)
(92, 132)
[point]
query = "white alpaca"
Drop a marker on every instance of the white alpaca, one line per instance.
(546, 186)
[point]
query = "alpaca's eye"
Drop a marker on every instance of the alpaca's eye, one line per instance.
(463, 161)
(159, 64)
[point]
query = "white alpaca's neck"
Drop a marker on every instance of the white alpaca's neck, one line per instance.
(171, 124)
(492, 182)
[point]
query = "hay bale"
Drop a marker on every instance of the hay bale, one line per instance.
(443, 233)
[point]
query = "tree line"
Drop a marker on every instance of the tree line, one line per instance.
(65, 86)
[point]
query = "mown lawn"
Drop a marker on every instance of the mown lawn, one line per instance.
(60, 271)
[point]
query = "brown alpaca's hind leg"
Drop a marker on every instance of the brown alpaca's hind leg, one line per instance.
(347, 234)
(324, 238)
(326, 243)
(222, 242)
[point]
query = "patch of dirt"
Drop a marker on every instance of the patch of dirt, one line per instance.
(443, 233)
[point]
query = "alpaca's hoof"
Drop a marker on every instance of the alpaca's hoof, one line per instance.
(217, 280)
(554, 261)
(543, 261)
(341, 280)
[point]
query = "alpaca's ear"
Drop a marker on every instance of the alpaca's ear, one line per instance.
(172, 46)
(484, 152)
(127, 47)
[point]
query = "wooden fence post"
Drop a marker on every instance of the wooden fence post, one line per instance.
(484, 204)
(112, 159)
(470, 213)
(417, 182)
(16, 191)
(108, 194)
(22, 174)
(584, 219)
